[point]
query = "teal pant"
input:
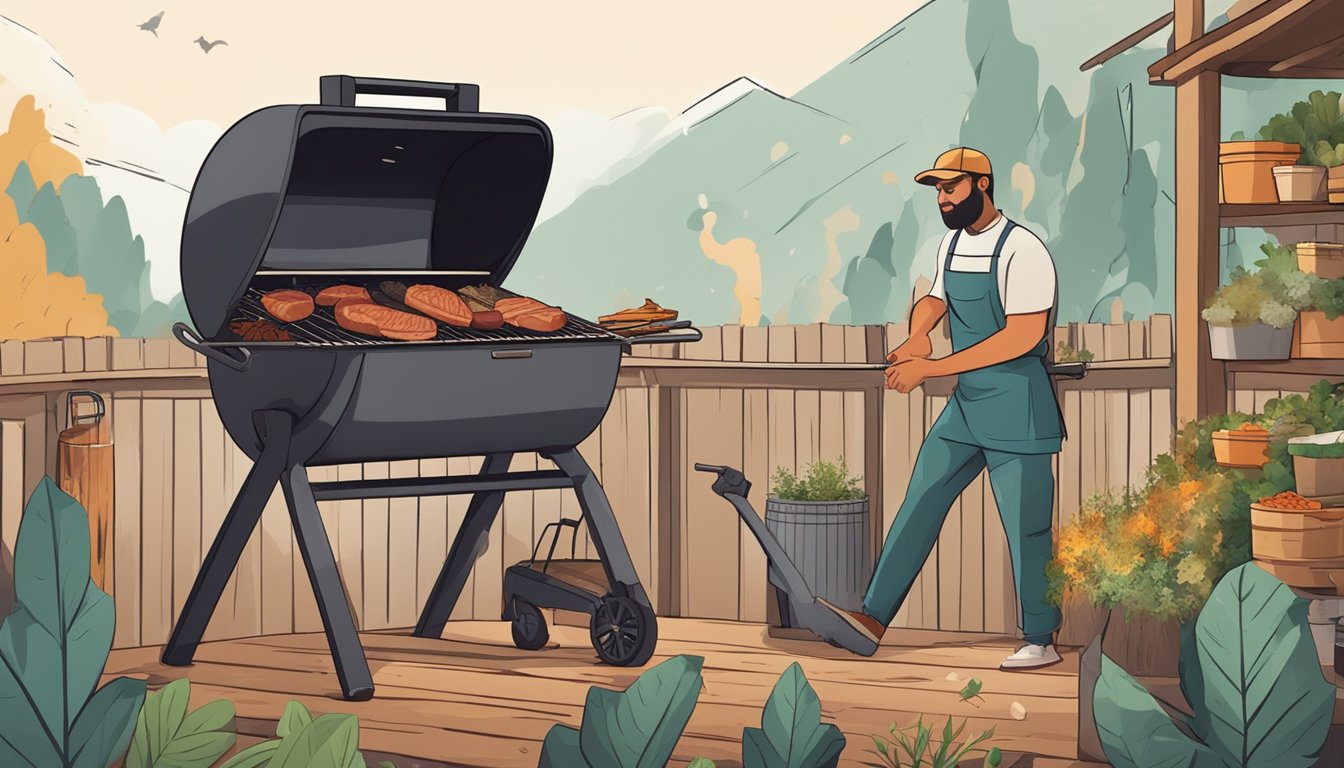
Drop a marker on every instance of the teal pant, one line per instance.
(1024, 487)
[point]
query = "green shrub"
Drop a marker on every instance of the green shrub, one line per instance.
(166, 736)
(1065, 353)
(916, 748)
(1272, 295)
(635, 728)
(791, 733)
(823, 481)
(54, 645)
(330, 741)
(1250, 673)
(1309, 123)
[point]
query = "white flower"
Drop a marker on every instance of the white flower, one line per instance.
(1220, 314)
(1277, 314)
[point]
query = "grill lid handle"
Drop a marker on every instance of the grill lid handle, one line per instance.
(340, 91)
(188, 337)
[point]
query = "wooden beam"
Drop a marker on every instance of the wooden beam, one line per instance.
(1261, 69)
(1309, 55)
(1210, 51)
(1189, 17)
(1200, 384)
(1133, 39)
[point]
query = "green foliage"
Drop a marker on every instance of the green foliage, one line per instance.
(635, 728)
(1328, 297)
(54, 646)
(972, 689)
(1272, 295)
(823, 481)
(791, 733)
(1309, 123)
(916, 747)
(1065, 353)
(330, 741)
(701, 762)
(91, 238)
(1330, 156)
(166, 736)
(1311, 451)
(1250, 672)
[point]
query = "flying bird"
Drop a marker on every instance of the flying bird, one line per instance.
(153, 24)
(206, 45)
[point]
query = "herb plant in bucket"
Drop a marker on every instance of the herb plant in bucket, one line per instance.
(823, 481)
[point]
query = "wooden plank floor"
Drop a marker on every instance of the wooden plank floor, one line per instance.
(472, 699)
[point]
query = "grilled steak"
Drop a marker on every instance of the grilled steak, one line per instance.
(258, 330)
(373, 319)
(528, 313)
(288, 306)
(331, 296)
(439, 303)
(487, 320)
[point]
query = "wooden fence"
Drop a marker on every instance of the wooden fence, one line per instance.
(757, 398)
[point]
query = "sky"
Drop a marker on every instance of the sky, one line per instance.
(531, 56)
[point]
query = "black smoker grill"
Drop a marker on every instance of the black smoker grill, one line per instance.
(314, 195)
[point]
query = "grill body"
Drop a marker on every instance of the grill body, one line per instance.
(305, 196)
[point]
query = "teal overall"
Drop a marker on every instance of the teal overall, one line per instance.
(1004, 418)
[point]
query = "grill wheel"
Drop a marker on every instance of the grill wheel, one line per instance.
(529, 626)
(624, 632)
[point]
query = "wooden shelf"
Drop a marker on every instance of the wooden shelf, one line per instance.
(1281, 214)
(1309, 367)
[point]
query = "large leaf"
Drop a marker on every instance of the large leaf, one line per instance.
(757, 751)
(295, 718)
(255, 756)
(330, 741)
(561, 749)
(167, 737)
(792, 722)
(1264, 699)
(54, 644)
(104, 726)
(639, 727)
(1135, 732)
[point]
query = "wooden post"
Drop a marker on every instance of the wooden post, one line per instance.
(1200, 386)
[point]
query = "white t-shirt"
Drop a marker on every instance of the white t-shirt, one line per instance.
(1026, 270)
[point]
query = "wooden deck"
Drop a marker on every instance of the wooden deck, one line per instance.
(472, 699)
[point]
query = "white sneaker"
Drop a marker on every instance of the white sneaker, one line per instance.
(1031, 657)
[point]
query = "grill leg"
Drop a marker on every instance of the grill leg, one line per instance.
(603, 529)
(352, 669)
(469, 544)
(229, 542)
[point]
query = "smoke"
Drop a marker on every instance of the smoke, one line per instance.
(842, 221)
(739, 255)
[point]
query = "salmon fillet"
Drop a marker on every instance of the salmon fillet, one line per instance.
(373, 319)
(288, 306)
(439, 303)
(331, 296)
(528, 313)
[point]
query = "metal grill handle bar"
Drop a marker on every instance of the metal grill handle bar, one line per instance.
(188, 337)
(340, 91)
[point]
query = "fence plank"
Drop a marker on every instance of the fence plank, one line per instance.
(1116, 421)
(376, 560)
(247, 605)
(186, 496)
(277, 566)
(928, 575)
(43, 356)
(432, 541)
(12, 498)
(625, 460)
(215, 500)
(126, 527)
(781, 415)
(457, 510)
(1116, 341)
(1138, 339)
(403, 528)
(971, 582)
(156, 520)
(1162, 432)
(756, 343)
(1140, 428)
(11, 357)
(350, 538)
(756, 448)
(1090, 446)
(711, 537)
(898, 440)
(1159, 336)
(488, 603)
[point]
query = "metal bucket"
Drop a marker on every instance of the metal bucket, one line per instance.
(829, 543)
(1250, 342)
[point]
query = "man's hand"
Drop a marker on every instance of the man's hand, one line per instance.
(905, 376)
(918, 345)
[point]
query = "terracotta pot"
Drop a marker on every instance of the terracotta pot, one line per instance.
(1324, 260)
(1334, 184)
(1142, 645)
(1316, 337)
(1232, 448)
(1247, 169)
(1300, 183)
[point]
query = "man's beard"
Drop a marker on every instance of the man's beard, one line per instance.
(965, 213)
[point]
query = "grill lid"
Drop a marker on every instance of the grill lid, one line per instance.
(336, 187)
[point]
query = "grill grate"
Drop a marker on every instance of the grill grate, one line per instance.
(321, 329)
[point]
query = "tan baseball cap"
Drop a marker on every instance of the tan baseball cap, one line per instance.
(954, 163)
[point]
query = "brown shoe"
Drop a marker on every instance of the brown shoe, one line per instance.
(870, 627)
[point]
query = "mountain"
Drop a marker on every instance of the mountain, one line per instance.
(756, 207)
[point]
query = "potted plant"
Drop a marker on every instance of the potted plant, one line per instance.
(1332, 157)
(1252, 317)
(821, 520)
(1320, 332)
(1246, 169)
(1318, 463)
(1310, 123)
